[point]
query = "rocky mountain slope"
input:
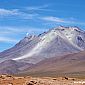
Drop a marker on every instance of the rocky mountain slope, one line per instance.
(59, 41)
(12, 67)
(68, 64)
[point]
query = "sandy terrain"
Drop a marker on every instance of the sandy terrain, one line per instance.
(11, 80)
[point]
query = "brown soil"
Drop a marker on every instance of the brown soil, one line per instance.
(12, 80)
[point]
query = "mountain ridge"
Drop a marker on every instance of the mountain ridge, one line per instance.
(57, 42)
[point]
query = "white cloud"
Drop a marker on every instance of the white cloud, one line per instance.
(56, 19)
(9, 34)
(16, 12)
(39, 8)
(25, 12)
(6, 12)
(16, 30)
(8, 40)
(23, 15)
(53, 19)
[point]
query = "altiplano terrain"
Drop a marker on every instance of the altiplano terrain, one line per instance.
(12, 80)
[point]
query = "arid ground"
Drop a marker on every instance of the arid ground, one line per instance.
(12, 80)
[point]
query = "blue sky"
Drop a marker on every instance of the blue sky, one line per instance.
(17, 17)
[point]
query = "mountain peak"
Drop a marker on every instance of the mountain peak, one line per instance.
(28, 37)
(72, 28)
(58, 41)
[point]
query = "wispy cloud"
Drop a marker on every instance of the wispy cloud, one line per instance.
(25, 12)
(16, 30)
(6, 12)
(56, 19)
(24, 15)
(20, 14)
(8, 40)
(53, 19)
(9, 33)
(39, 8)
(16, 12)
